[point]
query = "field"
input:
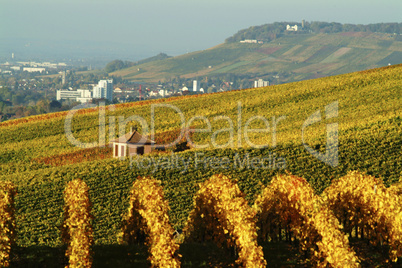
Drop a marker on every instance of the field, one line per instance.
(38, 158)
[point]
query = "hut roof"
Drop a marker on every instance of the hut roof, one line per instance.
(134, 138)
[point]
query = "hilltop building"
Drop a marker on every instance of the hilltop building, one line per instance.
(251, 41)
(292, 28)
(104, 90)
(261, 83)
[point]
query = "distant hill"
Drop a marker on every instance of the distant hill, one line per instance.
(268, 32)
(316, 50)
(119, 64)
(160, 56)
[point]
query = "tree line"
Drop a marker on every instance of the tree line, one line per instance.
(268, 32)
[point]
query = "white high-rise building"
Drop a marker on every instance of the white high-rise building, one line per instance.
(63, 77)
(195, 85)
(261, 83)
(104, 90)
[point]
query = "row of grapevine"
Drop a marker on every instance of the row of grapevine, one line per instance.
(7, 221)
(289, 203)
(221, 213)
(43, 117)
(147, 216)
(177, 135)
(397, 188)
(77, 228)
(83, 155)
(363, 203)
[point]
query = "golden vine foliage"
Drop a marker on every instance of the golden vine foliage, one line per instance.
(77, 228)
(396, 190)
(7, 221)
(289, 203)
(221, 213)
(363, 202)
(148, 214)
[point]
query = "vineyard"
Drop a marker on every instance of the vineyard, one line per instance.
(286, 208)
(39, 160)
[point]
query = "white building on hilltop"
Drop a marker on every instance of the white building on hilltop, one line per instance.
(251, 41)
(104, 90)
(291, 28)
(261, 83)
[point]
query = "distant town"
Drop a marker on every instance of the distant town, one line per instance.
(105, 90)
(31, 88)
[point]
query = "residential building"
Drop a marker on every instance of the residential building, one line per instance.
(63, 77)
(104, 90)
(84, 100)
(195, 85)
(80, 95)
(33, 69)
(261, 83)
(67, 94)
(163, 92)
(153, 93)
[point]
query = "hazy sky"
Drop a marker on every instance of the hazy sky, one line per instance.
(170, 26)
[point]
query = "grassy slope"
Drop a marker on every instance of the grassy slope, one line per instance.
(304, 54)
(370, 111)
